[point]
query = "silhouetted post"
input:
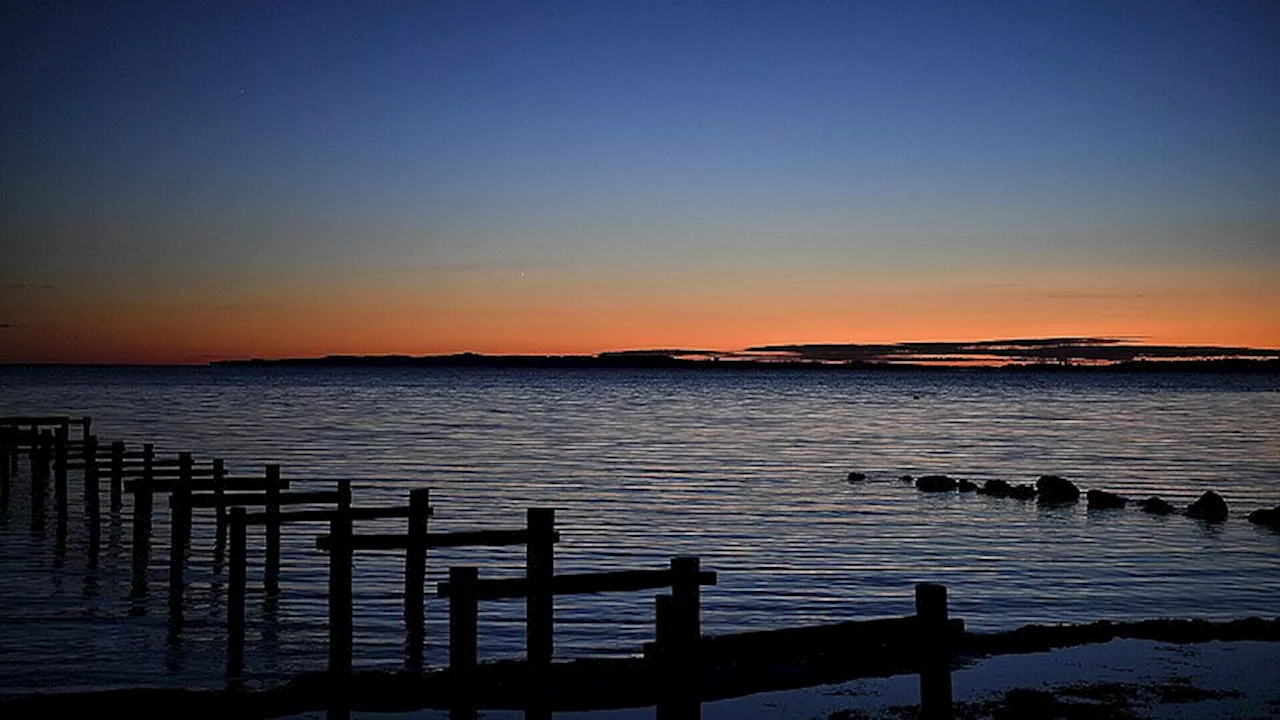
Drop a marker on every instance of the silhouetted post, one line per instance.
(678, 689)
(935, 661)
(91, 490)
(220, 527)
(142, 501)
(85, 424)
(685, 600)
(340, 592)
(92, 500)
(117, 476)
(463, 612)
(271, 574)
(42, 453)
(681, 626)
(60, 473)
(415, 567)
(539, 571)
(180, 503)
(235, 597)
(220, 492)
(39, 479)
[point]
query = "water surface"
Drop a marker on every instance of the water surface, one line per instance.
(744, 469)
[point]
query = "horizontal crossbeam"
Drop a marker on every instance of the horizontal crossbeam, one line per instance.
(579, 583)
(364, 513)
(205, 500)
(435, 540)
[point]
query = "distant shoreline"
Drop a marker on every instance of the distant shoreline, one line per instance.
(1221, 366)
(645, 362)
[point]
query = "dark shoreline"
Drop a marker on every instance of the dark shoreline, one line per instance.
(659, 362)
(1232, 366)
(598, 684)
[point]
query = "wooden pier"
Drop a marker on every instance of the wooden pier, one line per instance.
(678, 670)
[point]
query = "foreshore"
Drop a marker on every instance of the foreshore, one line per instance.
(598, 684)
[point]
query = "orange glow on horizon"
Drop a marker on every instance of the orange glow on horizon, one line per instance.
(564, 312)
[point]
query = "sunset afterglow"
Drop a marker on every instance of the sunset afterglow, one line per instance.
(187, 185)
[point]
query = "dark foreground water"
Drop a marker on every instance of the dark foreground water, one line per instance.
(744, 469)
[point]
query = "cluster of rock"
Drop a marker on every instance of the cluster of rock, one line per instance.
(1269, 517)
(1055, 490)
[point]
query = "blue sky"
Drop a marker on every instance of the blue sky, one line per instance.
(147, 142)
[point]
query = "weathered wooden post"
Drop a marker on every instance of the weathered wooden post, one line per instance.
(935, 648)
(679, 639)
(179, 537)
(463, 616)
(235, 597)
(220, 511)
(271, 573)
(117, 476)
(677, 688)
(340, 552)
(142, 501)
(415, 568)
(92, 496)
(92, 500)
(539, 571)
(39, 479)
(60, 473)
(220, 494)
(685, 601)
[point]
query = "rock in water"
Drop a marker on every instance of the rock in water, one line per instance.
(1210, 508)
(856, 477)
(1022, 492)
(966, 485)
(1054, 490)
(1103, 500)
(907, 479)
(1269, 518)
(1155, 506)
(935, 483)
(996, 488)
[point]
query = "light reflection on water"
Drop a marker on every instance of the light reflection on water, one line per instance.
(743, 469)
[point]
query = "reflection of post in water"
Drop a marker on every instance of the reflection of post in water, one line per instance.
(138, 589)
(90, 586)
(60, 542)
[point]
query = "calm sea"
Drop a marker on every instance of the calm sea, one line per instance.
(744, 469)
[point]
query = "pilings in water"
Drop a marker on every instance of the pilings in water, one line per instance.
(680, 658)
(235, 598)
(539, 572)
(415, 570)
(340, 622)
(934, 652)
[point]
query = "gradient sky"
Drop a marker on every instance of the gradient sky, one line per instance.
(181, 183)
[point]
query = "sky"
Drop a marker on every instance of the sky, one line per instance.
(186, 182)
